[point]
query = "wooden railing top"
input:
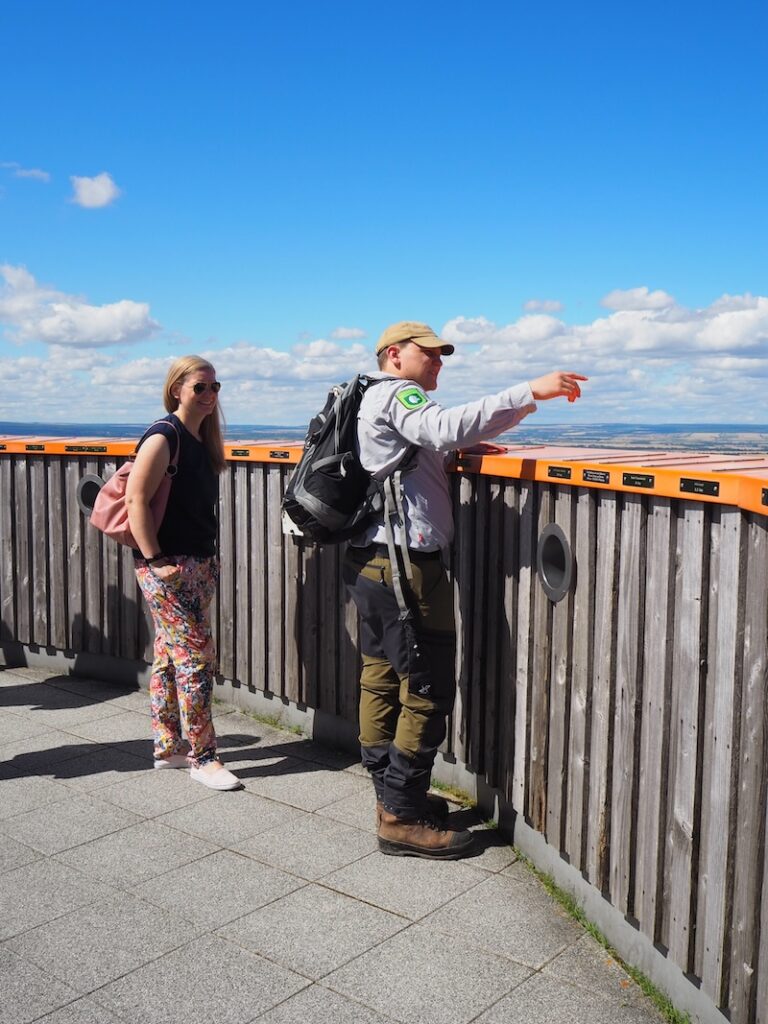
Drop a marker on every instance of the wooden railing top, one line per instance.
(739, 480)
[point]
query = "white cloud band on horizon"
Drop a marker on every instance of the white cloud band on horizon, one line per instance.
(94, 193)
(661, 364)
(33, 312)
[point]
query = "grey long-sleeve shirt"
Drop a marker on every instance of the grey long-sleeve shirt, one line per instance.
(398, 413)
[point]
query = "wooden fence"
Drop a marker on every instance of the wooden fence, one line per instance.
(627, 723)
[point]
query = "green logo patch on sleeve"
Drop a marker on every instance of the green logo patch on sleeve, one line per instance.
(412, 397)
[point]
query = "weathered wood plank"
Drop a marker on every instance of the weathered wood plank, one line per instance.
(463, 569)
(275, 596)
(311, 615)
(524, 667)
(56, 561)
(75, 569)
(291, 571)
(349, 655)
(243, 473)
(111, 591)
(510, 562)
(257, 621)
(495, 633)
(22, 554)
(9, 587)
(654, 732)
(725, 643)
(93, 543)
(559, 692)
(328, 645)
(541, 647)
(629, 654)
(480, 611)
(38, 507)
(581, 675)
(687, 674)
(750, 824)
(223, 611)
(599, 811)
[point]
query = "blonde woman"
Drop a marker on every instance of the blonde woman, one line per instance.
(177, 568)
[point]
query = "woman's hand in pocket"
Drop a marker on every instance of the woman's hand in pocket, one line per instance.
(165, 570)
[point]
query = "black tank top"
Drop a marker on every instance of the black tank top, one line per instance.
(189, 525)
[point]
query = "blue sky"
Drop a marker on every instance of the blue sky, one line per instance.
(580, 187)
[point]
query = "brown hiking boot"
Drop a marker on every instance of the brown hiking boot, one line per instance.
(423, 838)
(437, 807)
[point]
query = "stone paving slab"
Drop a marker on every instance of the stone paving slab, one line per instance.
(19, 793)
(269, 904)
(67, 823)
(357, 810)
(15, 726)
(231, 818)
(318, 1005)
(421, 977)
(542, 1000)
(15, 855)
(408, 886)
(83, 1011)
(101, 942)
(26, 992)
(313, 930)
(309, 790)
(511, 918)
(309, 846)
(121, 726)
(154, 793)
(588, 965)
(42, 891)
(218, 889)
(35, 754)
(135, 854)
(209, 979)
(95, 766)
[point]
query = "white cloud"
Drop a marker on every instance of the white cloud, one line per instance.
(543, 306)
(347, 333)
(23, 172)
(33, 312)
(636, 298)
(93, 193)
(654, 365)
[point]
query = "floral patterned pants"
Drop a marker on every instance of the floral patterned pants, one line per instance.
(185, 658)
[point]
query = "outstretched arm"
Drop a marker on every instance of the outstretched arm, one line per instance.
(557, 384)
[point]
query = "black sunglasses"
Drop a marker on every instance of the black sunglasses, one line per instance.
(202, 386)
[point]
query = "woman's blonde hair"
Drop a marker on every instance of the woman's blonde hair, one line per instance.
(211, 429)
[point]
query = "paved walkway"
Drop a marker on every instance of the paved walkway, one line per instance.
(129, 895)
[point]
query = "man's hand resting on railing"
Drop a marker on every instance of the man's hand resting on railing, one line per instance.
(557, 384)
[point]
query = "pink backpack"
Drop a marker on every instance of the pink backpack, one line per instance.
(109, 511)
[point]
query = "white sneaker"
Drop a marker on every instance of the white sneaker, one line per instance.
(172, 761)
(220, 778)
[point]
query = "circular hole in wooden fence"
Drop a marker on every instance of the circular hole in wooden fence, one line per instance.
(555, 562)
(87, 489)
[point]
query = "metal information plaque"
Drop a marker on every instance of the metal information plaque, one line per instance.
(595, 476)
(691, 486)
(92, 448)
(765, 496)
(638, 480)
(35, 447)
(559, 472)
(279, 455)
(241, 451)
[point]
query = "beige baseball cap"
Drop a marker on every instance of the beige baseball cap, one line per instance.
(412, 330)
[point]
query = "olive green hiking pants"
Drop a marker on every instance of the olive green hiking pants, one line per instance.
(407, 685)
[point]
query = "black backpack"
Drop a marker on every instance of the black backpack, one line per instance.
(330, 497)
